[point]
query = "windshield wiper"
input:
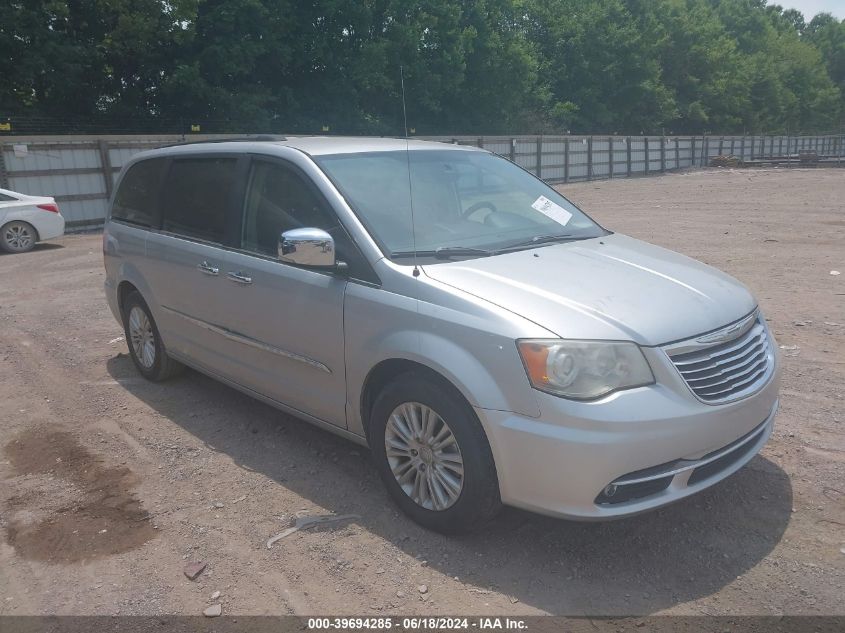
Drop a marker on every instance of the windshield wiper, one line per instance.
(540, 239)
(446, 252)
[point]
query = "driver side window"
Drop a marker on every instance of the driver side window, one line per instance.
(278, 200)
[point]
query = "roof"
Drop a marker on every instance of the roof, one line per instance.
(320, 145)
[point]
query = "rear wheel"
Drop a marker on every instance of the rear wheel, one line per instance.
(433, 455)
(17, 237)
(145, 346)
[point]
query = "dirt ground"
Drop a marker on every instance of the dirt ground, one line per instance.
(111, 485)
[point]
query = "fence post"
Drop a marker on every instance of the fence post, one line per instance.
(4, 179)
(589, 158)
(105, 163)
(721, 145)
(692, 153)
(677, 154)
(645, 138)
(566, 159)
(742, 149)
(610, 157)
(628, 156)
(513, 150)
(753, 143)
(706, 158)
(539, 156)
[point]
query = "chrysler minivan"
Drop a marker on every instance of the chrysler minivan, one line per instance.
(488, 341)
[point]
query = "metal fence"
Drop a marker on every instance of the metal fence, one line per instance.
(80, 171)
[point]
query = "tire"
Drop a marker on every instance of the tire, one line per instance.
(18, 237)
(430, 475)
(144, 341)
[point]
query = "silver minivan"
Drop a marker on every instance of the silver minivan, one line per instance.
(487, 340)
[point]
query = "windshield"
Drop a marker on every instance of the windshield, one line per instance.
(466, 203)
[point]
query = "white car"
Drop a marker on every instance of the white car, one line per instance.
(25, 220)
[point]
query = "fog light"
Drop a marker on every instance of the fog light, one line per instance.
(609, 490)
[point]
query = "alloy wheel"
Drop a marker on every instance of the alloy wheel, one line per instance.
(424, 456)
(141, 337)
(18, 236)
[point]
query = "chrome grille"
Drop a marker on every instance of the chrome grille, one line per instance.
(729, 370)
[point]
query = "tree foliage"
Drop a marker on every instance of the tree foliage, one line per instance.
(471, 66)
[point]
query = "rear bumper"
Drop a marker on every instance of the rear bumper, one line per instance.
(655, 445)
(50, 225)
(111, 297)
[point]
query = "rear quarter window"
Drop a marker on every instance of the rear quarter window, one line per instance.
(137, 196)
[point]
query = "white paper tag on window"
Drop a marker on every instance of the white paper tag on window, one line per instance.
(552, 210)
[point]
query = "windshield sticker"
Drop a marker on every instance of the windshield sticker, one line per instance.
(552, 210)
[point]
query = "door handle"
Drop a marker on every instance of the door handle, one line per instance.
(208, 269)
(240, 278)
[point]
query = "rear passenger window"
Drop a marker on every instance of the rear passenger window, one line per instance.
(137, 197)
(198, 196)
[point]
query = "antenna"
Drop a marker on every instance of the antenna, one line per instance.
(416, 272)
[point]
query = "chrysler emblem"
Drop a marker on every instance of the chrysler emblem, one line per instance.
(728, 333)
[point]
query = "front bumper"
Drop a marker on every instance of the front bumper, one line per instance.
(656, 442)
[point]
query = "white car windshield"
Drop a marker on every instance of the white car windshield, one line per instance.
(466, 203)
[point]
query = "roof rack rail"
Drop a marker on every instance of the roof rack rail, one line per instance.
(234, 139)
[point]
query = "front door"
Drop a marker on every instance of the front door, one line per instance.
(287, 319)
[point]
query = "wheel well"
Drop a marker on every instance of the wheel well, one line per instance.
(123, 290)
(386, 372)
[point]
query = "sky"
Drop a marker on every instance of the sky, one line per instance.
(811, 7)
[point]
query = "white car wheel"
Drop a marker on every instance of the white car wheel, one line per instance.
(17, 237)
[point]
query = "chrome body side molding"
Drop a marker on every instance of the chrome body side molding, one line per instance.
(251, 342)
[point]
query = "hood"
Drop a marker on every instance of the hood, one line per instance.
(613, 287)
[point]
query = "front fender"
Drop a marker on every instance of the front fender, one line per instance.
(481, 362)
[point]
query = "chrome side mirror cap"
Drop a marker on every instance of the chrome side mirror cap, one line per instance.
(307, 247)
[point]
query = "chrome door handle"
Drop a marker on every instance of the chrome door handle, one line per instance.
(240, 278)
(208, 269)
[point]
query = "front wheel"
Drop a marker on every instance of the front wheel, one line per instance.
(17, 237)
(433, 455)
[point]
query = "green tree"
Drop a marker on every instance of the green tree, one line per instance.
(827, 35)
(599, 67)
(472, 66)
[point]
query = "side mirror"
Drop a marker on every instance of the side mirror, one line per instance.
(307, 247)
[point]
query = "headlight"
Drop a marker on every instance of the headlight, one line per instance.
(583, 370)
